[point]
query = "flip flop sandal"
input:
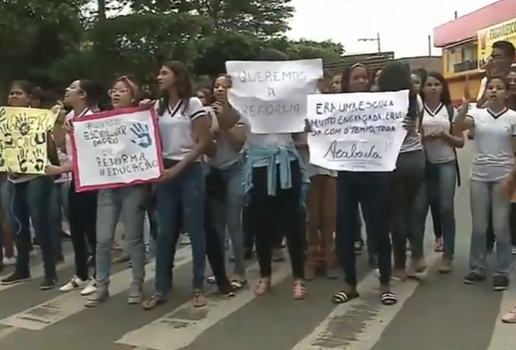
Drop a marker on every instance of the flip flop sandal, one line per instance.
(199, 300)
(299, 291)
(388, 298)
(153, 301)
(238, 284)
(343, 297)
(262, 287)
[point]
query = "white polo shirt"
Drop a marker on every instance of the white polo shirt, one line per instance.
(493, 156)
(438, 151)
(175, 128)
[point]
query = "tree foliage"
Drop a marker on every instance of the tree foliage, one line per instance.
(59, 40)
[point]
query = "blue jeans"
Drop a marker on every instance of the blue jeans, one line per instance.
(123, 204)
(227, 213)
(187, 190)
(440, 183)
(57, 208)
(30, 200)
(484, 198)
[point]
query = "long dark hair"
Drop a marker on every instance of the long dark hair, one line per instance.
(183, 85)
(94, 92)
(445, 97)
(346, 75)
(396, 77)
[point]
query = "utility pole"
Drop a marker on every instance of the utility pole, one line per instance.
(377, 39)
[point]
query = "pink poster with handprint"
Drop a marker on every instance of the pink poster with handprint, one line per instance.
(116, 148)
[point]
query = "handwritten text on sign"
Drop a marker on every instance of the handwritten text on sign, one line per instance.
(272, 95)
(23, 139)
(357, 131)
(116, 148)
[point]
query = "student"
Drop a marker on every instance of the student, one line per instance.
(371, 191)
(493, 161)
(185, 134)
(336, 84)
(225, 174)
(82, 97)
(125, 204)
(407, 178)
(441, 175)
(273, 179)
(320, 212)
(29, 199)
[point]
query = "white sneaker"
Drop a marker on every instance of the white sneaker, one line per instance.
(74, 283)
(90, 288)
(9, 261)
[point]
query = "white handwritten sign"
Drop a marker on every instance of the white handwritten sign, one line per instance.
(357, 131)
(116, 148)
(272, 95)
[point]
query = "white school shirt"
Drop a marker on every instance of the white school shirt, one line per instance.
(175, 128)
(493, 156)
(438, 151)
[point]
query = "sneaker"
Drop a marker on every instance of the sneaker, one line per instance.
(473, 277)
(135, 293)
(513, 250)
(359, 247)
(90, 288)
(185, 239)
(510, 316)
(9, 261)
(15, 278)
(48, 283)
(97, 297)
(74, 283)
(500, 283)
(446, 266)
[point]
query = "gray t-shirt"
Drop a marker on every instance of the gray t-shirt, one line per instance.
(493, 156)
(226, 156)
(438, 151)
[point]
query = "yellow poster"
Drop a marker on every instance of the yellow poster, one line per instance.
(23, 139)
(487, 36)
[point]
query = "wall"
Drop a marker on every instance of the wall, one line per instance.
(457, 88)
(430, 63)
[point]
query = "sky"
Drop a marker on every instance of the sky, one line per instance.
(404, 25)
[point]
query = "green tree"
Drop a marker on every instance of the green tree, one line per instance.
(263, 18)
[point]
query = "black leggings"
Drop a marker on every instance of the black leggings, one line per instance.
(265, 214)
(82, 209)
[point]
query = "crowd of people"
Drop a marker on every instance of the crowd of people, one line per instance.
(222, 180)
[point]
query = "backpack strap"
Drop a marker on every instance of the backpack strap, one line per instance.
(451, 113)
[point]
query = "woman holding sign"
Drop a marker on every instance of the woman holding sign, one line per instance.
(126, 204)
(29, 190)
(185, 135)
(82, 97)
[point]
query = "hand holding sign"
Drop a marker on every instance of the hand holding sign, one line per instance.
(142, 136)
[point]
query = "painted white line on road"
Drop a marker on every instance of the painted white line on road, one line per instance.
(38, 271)
(328, 334)
(7, 331)
(503, 336)
(185, 324)
(46, 314)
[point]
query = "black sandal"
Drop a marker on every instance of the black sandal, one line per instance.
(343, 297)
(388, 298)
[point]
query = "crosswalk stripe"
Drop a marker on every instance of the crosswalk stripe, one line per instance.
(331, 333)
(504, 334)
(176, 330)
(38, 270)
(46, 314)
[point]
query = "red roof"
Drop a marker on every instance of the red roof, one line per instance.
(466, 27)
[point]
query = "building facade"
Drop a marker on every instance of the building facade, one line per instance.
(466, 43)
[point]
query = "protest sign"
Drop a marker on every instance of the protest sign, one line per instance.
(116, 148)
(272, 95)
(357, 131)
(23, 139)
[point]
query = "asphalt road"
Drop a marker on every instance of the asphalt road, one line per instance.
(440, 313)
